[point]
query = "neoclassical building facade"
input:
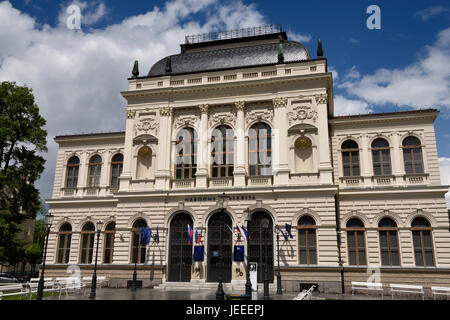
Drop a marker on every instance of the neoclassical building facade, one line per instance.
(240, 131)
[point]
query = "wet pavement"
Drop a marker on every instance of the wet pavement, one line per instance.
(185, 294)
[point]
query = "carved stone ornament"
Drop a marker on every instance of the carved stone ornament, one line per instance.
(166, 111)
(203, 108)
(147, 125)
(131, 114)
(239, 105)
(259, 115)
(301, 113)
(279, 102)
(321, 98)
(185, 121)
(222, 118)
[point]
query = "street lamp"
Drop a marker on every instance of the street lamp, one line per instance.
(219, 293)
(265, 226)
(279, 290)
(94, 276)
(248, 284)
(48, 222)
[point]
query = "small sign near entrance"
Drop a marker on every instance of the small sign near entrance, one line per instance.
(254, 275)
(215, 253)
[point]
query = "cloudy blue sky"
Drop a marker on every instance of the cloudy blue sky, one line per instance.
(77, 75)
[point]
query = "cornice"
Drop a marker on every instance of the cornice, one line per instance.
(228, 85)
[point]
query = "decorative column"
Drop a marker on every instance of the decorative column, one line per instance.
(162, 175)
(239, 168)
(202, 154)
(365, 163)
(125, 177)
(279, 137)
(325, 169)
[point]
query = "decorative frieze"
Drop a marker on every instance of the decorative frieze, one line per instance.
(300, 113)
(146, 125)
(258, 115)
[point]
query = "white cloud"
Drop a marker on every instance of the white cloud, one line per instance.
(344, 106)
(444, 167)
(300, 37)
(428, 13)
(424, 83)
(334, 72)
(77, 76)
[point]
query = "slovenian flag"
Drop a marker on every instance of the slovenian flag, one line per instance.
(197, 236)
(244, 232)
(190, 234)
(231, 230)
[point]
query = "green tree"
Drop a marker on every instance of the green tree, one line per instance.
(22, 140)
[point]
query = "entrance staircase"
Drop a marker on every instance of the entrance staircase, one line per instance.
(202, 285)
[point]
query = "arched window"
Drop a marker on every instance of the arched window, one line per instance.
(138, 249)
(303, 155)
(307, 243)
(95, 168)
(388, 231)
(116, 169)
(73, 166)
(350, 158)
(381, 157)
(260, 150)
(144, 163)
(412, 155)
(423, 243)
(87, 242)
(64, 239)
(186, 154)
(110, 231)
(356, 242)
(222, 152)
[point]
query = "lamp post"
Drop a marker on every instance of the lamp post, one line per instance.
(279, 290)
(94, 276)
(133, 283)
(48, 222)
(219, 293)
(265, 225)
(248, 284)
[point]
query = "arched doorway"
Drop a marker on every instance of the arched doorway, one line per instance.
(180, 251)
(218, 232)
(260, 248)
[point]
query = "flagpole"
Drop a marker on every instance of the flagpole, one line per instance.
(279, 289)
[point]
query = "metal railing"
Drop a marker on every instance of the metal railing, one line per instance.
(233, 34)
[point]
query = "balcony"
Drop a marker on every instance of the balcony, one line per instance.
(351, 181)
(259, 181)
(91, 191)
(418, 178)
(69, 192)
(220, 182)
(383, 180)
(183, 184)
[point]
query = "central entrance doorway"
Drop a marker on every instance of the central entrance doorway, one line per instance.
(180, 251)
(218, 231)
(260, 248)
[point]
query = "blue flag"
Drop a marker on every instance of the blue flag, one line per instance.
(288, 230)
(284, 235)
(143, 236)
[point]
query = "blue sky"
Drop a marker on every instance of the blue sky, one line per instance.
(404, 65)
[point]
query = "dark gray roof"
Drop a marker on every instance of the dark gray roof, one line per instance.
(228, 58)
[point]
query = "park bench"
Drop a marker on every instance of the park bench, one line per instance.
(369, 286)
(68, 284)
(405, 288)
(12, 290)
(440, 291)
